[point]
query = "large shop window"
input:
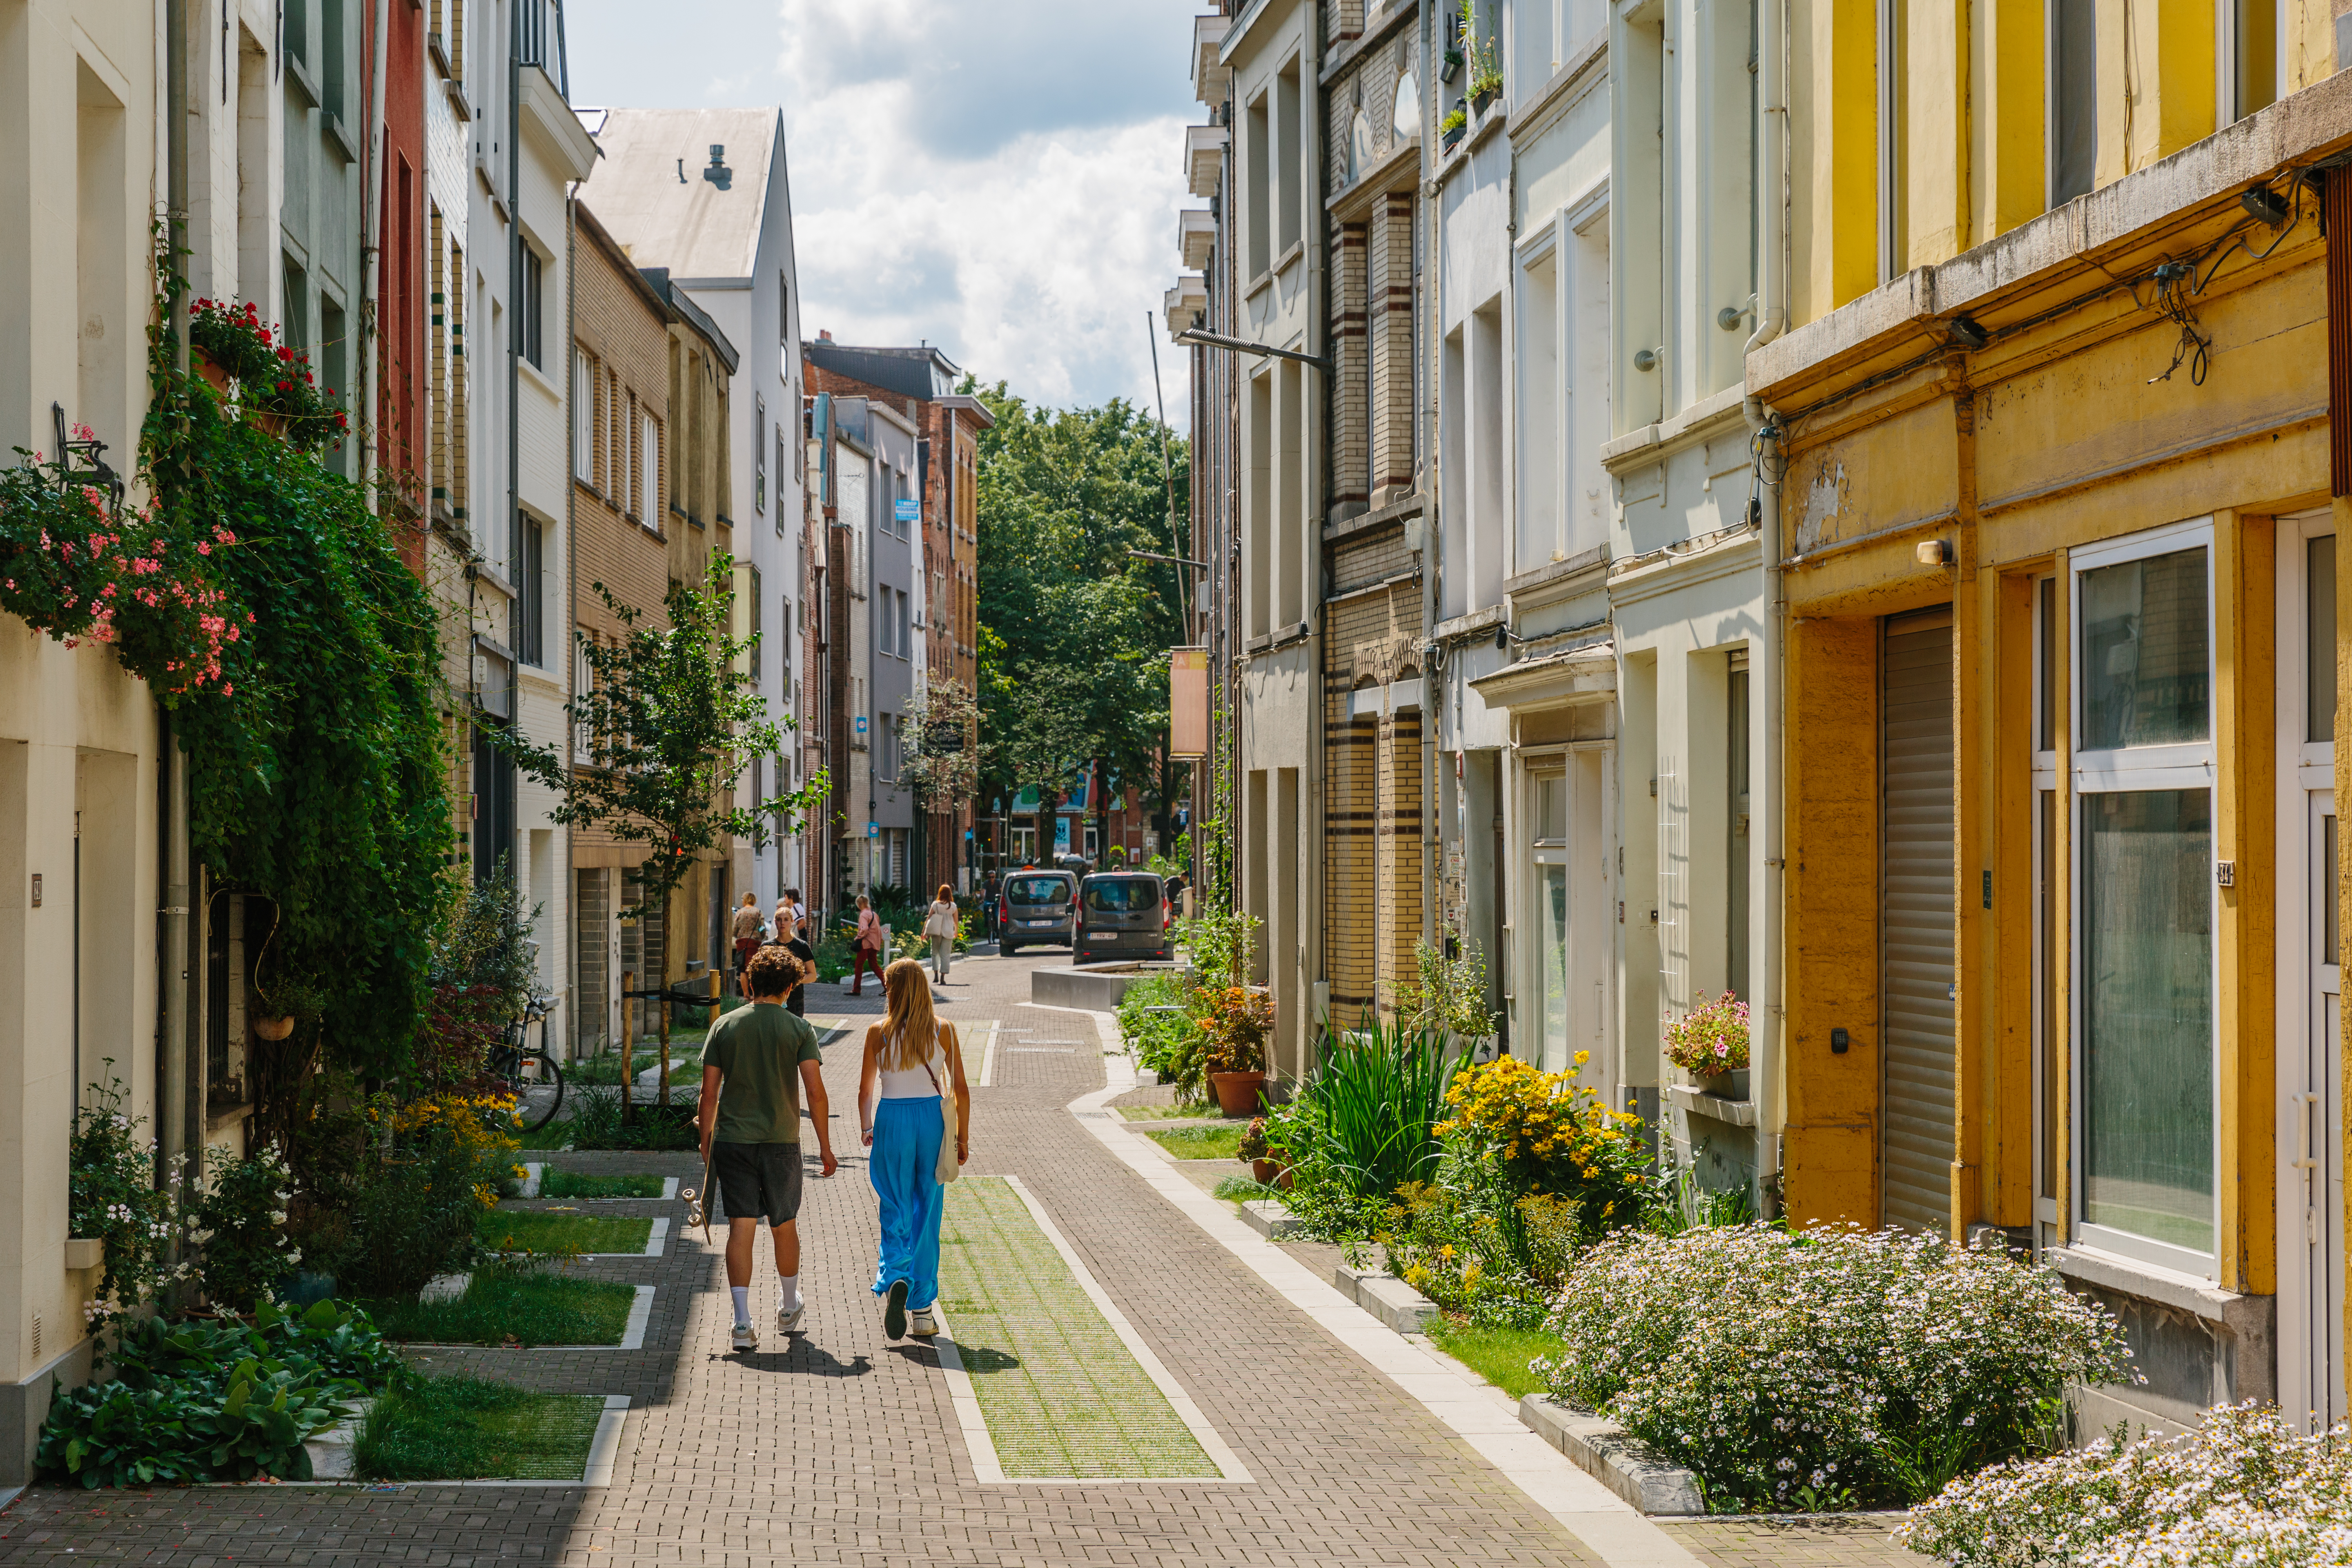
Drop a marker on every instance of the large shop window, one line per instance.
(2145, 1073)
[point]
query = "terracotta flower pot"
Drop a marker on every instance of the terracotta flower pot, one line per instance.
(1263, 1172)
(213, 373)
(1237, 1091)
(1282, 1179)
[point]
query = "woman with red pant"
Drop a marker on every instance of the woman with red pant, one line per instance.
(865, 947)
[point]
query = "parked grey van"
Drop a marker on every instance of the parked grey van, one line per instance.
(1038, 907)
(1122, 914)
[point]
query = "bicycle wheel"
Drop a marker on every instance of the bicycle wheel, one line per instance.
(534, 1117)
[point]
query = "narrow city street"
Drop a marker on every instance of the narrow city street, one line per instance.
(841, 1446)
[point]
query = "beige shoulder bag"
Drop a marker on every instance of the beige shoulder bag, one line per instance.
(948, 1165)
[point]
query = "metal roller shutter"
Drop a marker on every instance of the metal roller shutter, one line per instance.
(1915, 921)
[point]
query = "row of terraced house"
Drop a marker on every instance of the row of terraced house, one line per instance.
(1834, 501)
(569, 342)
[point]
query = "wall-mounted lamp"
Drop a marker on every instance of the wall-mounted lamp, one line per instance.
(2265, 204)
(1645, 359)
(1967, 333)
(1934, 552)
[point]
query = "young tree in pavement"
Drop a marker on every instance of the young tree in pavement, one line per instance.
(668, 722)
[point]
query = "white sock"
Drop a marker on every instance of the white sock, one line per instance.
(791, 1299)
(742, 1294)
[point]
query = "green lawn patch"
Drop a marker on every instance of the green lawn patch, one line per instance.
(532, 1308)
(1165, 1112)
(578, 1184)
(1498, 1355)
(1200, 1142)
(463, 1429)
(528, 1230)
(535, 1230)
(1246, 1189)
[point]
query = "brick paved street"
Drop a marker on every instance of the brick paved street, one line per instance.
(844, 1448)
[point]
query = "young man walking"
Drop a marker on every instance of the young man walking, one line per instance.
(756, 1063)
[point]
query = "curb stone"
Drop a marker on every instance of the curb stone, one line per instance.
(1387, 1297)
(1601, 1448)
(1270, 1220)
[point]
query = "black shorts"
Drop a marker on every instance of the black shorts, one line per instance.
(757, 1181)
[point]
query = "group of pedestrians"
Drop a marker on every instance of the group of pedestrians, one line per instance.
(763, 1072)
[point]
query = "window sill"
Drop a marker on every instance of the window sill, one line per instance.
(1698, 1102)
(2129, 1276)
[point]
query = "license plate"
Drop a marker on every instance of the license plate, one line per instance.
(1045, 922)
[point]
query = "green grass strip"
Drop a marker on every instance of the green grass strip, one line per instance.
(575, 1185)
(535, 1308)
(1200, 1142)
(1061, 1394)
(1498, 1355)
(463, 1429)
(537, 1230)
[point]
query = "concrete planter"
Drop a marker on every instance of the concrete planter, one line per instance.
(1384, 1296)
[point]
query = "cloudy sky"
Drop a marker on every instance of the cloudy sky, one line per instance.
(1002, 179)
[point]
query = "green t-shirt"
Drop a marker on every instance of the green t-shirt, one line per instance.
(758, 1051)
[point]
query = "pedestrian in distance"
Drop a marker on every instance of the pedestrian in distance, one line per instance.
(940, 923)
(797, 944)
(757, 1063)
(865, 946)
(916, 1111)
(790, 917)
(747, 925)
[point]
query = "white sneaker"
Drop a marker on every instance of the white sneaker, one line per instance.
(747, 1338)
(924, 1325)
(787, 1321)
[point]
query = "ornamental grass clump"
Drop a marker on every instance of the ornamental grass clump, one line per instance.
(1825, 1369)
(2242, 1490)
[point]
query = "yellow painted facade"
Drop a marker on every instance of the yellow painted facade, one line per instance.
(2025, 384)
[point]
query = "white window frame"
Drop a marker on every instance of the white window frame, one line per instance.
(2047, 779)
(583, 415)
(2121, 771)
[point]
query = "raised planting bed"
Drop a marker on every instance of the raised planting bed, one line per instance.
(497, 1307)
(465, 1428)
(579, 1184)
(1097, 987)
(504, 1230)
(1198, 1142)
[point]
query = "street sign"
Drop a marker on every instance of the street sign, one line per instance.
(906, 508)
(860, 722)
(873, 830)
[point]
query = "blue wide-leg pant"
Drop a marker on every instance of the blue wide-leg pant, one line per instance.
(903, 1165)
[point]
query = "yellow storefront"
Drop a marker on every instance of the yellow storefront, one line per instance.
(2058, 593)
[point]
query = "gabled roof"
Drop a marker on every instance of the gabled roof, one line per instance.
(650, 191)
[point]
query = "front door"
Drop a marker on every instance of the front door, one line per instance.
(2310, 1058)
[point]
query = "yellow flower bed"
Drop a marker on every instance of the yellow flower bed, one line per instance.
(487, 1124)
(1551, 1133)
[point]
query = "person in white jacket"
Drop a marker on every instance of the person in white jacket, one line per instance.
(939, 924)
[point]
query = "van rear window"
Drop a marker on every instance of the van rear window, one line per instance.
(1127, 895)
(1037, 889)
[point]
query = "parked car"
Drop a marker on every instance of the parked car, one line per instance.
(1038, 907)
(1122, 914)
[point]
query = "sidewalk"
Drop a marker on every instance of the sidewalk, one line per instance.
(844, 1448)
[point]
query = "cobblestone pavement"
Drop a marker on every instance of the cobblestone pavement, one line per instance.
(841, 1447)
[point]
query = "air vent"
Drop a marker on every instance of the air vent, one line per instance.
(718, 174)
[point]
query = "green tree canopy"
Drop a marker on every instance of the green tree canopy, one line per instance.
(1075, 631)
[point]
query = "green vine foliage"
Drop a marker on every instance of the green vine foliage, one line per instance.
(318, 767)
(267, 608)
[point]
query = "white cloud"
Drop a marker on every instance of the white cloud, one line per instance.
(1000, 180)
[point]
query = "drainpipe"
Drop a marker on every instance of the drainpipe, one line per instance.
(1772, 319)
(372, 229)
(172, 925)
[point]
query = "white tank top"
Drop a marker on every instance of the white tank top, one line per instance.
(914, 1083)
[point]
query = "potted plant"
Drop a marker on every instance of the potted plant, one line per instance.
(1455, 124)
(1234, 1027)
(1485, 72)
(1258, 1153)
(1709, 1042)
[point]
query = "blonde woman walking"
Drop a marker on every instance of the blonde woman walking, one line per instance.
(940, 923)
(912, 1066)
